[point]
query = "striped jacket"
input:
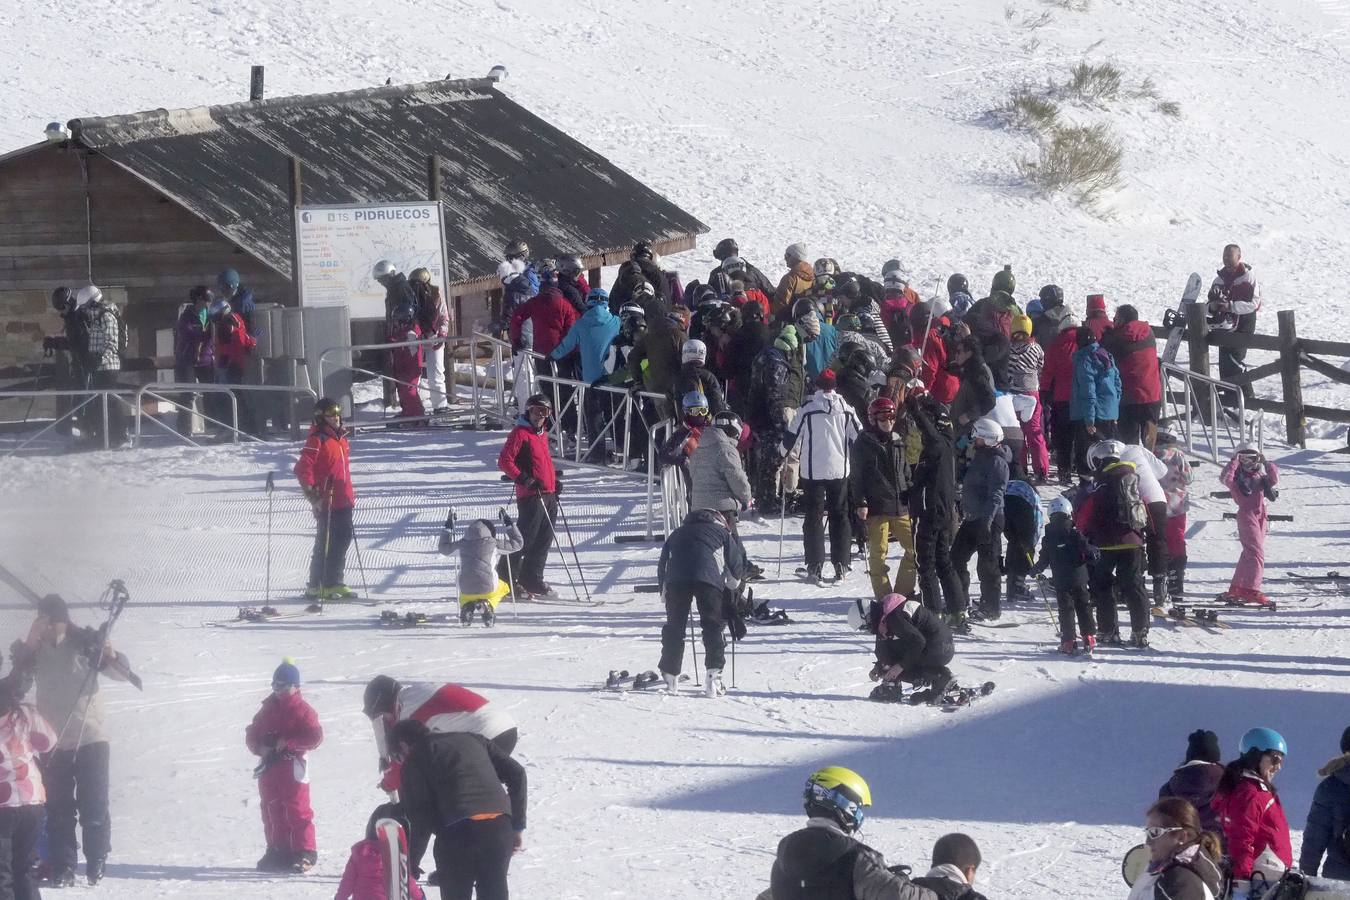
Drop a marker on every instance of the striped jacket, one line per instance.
(1025, 360)
(24, 733)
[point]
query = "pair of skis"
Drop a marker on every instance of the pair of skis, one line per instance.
(954, 698)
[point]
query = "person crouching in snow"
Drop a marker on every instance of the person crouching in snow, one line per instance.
(1251, 478)
(365, 877)
(480, 589)
(405, 363)
(698, 562)
(282, 732)
(914, 645)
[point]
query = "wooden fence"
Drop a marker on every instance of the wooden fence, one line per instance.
(1296, 354)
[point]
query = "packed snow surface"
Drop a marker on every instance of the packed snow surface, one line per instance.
(638, 795)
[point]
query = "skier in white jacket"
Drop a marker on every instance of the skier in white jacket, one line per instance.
(824, 430)
(1151, 471)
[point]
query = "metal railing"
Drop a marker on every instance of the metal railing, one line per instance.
(1200, 403)
(497, 397)
(382, 377)
(156, 390)
(90, 395)
(569, 395)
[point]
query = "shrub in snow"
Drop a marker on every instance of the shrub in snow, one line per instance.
(1080, 161)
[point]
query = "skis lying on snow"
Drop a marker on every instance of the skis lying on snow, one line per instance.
(1329, 576)
(621, 680)
(1272, 517)
(953, 698)
(259, 614)
(1187, 614)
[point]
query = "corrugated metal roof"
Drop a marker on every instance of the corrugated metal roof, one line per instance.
(506, 173)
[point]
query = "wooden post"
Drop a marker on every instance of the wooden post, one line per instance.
(1197, 349)
(1294, 421)
(255, 84)
(296, 191)
(593, 277)
(433, 177)
(458, 324)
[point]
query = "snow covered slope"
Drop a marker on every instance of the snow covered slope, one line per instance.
(638, 796)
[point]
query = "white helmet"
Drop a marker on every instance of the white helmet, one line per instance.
(383, 269)
(694, 349)
(1060, 506)
(88, 294)
(1100, 452)
(987, 431)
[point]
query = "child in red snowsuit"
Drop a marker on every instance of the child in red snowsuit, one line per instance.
(283, 731)
(1251, 479)
(365, 877)
(405, 363)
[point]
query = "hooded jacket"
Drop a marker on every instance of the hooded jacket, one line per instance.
(526, 453)
(1025, 361)
(591, 335)
(287, 717)
(1328, 819)
(478, 551)
(717, 478)
(948, 883)
(1096, 386)
(324, 468)
(551, 315)
(1195, 782)
(776, 380)
(1189, 875)
(1136, 354)
(659, 347)
(822, 862)
(1066, 553)
(1234, 300)
(798, 282)
(1253, 821)
(1045, 324)
(1057, 373)
(932, 492)
(701, 550)
(826, 428)
(984, 484)
(975, 397)
(24, 734)
(364, 877)
(941, 383)
(910, 635)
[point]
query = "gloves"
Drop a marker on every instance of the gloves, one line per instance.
(877, 671)
(557, 487)
(505, 517)
(528, 481)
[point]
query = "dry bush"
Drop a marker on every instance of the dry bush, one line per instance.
(1094, 82)
(1083, 162)
(1028, 110)
(1169, 108)
(1081, 6)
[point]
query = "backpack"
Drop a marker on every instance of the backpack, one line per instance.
(1129, 506)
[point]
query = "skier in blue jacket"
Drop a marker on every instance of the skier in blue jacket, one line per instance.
(1094, 401)
(592, 335)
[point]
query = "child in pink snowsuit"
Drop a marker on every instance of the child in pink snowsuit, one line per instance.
(1251, 478)
(365, 877)
(282, 732)
(405, 363)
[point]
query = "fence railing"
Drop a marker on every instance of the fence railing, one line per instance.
(102, 395)
(329, 367)
(1295, 355)
(1196, 407)
(157, 390)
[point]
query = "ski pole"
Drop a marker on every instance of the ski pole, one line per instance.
(553, 539)
(693, 647)
(782, 519)
(562, 514)
(267, 590)
(360, 564)
(510, 576)
(733, 658)
(1054, 622)
(327, 541)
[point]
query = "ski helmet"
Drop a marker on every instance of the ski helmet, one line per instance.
(381, 697)
(701, 295)
(643, 289)
(894, 270)
(539, 401)
(1021, 324)
(1035, 307)
(1266, 740)
(752, 312)
(882, 406)
(826, 268)
(632, 311)
(228, 280)
(1052, 295)
(1004, 281)
(569, 265)
(517, 249)
(720, 317)
(694, 400)
(420, 275)
(88, 294)
(597, 297)
(326, 407)
(958, 284)
(734, 266)
(729, 423)
(62, 298)
(382, 270)
(1060, 506)
(694, 350)
(839, 794)
(848, 285)
(725, 249)
(1103, 452)
(643, 250)
(219, 309)
(987, 431)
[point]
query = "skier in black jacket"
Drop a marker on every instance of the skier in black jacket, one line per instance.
(739, 269)
(699, 560)
(932, 505)
(878, 485)
(452, 787)
(825, 860)
(1067, 553)
(956, 858)
(913, 645)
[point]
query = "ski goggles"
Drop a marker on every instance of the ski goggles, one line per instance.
(1153, 832)
(697, 412)
(849, 808)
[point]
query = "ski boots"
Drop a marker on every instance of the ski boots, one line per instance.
(712, 683)
(672, 682)
(841, 571)
(303, 861)
(813, 575)
(1068, 648)
(93, 870)
(489, 615)
(1089, 644)
(62, 877)
(338, 592)
(1139, 639)
(1111, 638)
(958, 624)
(467, 611)
(314, 593)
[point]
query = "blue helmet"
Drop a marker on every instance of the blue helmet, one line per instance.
(1263, 739)
(228, 280)
(695, 400)
(597, 296)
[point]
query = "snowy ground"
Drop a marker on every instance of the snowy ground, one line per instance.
(641, 795)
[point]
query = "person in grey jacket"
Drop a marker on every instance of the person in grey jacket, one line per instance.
(717, 477)
(76, 772)
(1328, 819)
(981, 530)
(480, 588)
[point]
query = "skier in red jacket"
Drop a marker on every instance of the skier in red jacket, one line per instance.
(550, 317)
(405, 363)
(325, 475)
(1255, 829)
(282, 732)
(525, 459)
(1057, 382)
(1130, 340)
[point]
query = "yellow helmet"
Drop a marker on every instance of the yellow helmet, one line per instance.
(838, 793)
(1021, 322)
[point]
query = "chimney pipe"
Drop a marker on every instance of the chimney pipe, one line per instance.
(255, 84)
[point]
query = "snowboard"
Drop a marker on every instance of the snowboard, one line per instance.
(958, 697)
(394, 855)
(1175, 319)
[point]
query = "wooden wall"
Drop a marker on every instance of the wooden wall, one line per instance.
(142, 242)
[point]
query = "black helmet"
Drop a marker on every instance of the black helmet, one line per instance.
(726, 247)
(569, 265)
(643, 250)
(958, 283)
(846, 284)
(404, 314)
(540, 400)
(326, 407)
(1051, 295)
(62, 299)
(380, 697)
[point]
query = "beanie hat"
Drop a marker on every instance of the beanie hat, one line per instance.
(826, 380)
(1096, 303)
(597, 296)
(1022, 323)
(1004, 281)
(54, 608)
(1203, 744)
(287, 674)
(787, 339)
(795, 253)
